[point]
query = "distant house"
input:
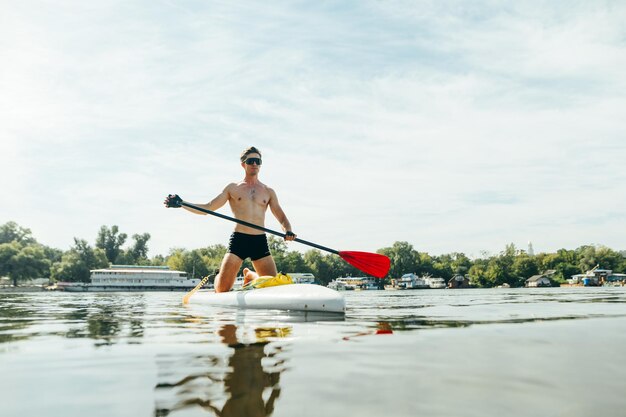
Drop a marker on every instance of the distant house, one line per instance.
(538, 281)
(598, 277)
(459, 281)
(617, 278)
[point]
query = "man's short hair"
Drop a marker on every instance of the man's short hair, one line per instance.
(251, 149)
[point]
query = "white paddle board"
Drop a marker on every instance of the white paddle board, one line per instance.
(296, 297)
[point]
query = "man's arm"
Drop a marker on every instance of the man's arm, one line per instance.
(214, 204)
(280, 215)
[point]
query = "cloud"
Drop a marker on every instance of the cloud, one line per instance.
(454, 126)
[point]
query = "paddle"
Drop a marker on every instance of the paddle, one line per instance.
(372, 264)
(197, 287)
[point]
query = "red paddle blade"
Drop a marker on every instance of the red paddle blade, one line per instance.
(372, 264)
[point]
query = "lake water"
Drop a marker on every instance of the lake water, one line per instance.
(492, 352)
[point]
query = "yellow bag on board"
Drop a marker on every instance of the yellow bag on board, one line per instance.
(268, 281)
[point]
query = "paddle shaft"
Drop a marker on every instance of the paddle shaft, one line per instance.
(256, 226)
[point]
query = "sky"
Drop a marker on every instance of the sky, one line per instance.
(455, 126)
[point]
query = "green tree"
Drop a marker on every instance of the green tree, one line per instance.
(523, 267)
(278, 248)
(564, 262)
(137, 254)
(563, 272)
(76, 264)
(21, 262)
(214, 254)
(478, 273)
(191, 262)
(425, 264)
(608, 258)
(461, 264)
(158, 260)
(176, 259)
(499, 268)
(404, 259)
(495, 274)
(621, 268)
(319, 265)
(604, 257)
(52, 254)
(31, 262)
(442, 266)
(587, 258)
(111, 241)
(293, 262)
(337, 267)
(446, 265)
(139, 249)
(8, 252)
(12, 232)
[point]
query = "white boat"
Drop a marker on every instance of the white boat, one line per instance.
(293, 297)
(133, 278)
(412, 282)
(238, 283)
(354, 283)
(436, 282)
(302, 277)
(371, 286)
(337, 285)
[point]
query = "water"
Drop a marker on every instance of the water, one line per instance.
(495, 352)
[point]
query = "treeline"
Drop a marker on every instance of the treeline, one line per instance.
(23, 258)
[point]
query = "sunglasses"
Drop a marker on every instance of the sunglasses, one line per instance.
(251, 161)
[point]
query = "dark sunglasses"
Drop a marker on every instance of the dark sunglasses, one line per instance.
(251, 161)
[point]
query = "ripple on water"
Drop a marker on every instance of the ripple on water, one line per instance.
(449, 352)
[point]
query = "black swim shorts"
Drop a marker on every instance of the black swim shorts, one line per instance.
(248, 246)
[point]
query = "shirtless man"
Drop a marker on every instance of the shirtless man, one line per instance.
(249, 200)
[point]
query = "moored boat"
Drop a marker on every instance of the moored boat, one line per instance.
(436, 282)
(411, 282)
(354, 283)
(338, 285)
(133, 278)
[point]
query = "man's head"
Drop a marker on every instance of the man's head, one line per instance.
(245, 153)
(251, 158)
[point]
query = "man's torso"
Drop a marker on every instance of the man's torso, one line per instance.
(249, 202)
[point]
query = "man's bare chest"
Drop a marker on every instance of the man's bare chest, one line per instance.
(248, 194)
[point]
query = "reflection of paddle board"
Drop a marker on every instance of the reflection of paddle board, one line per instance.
(296, 297)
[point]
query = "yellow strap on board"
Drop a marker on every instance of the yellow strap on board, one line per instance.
(268, 281)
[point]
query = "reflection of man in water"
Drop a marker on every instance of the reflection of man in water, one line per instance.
(244, 384)
(247, 381)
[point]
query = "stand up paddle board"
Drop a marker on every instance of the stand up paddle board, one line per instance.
(296, 297)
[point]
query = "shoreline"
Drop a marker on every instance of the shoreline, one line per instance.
(19, 289)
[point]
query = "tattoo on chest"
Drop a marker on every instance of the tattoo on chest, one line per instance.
(253, 194)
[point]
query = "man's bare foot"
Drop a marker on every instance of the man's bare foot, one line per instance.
(248, 276)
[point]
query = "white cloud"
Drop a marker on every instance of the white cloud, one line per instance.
(454, 126)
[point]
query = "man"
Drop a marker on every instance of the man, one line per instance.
(249, 200)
